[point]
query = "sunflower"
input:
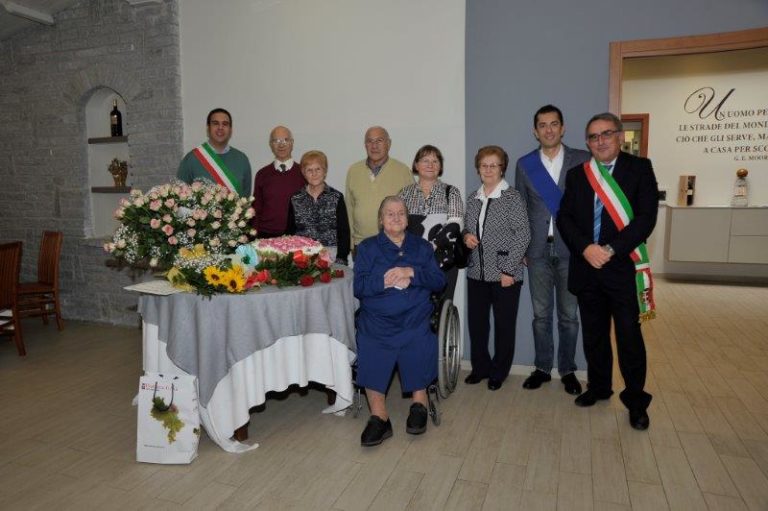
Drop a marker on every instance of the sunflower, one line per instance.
(213, 276)
(233, 280)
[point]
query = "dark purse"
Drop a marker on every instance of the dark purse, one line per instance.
(456, 254)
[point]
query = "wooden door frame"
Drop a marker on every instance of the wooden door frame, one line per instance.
(708, 43)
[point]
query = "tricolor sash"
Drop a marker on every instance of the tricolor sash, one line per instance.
(620, 211)
(213, 164)
(542, 181)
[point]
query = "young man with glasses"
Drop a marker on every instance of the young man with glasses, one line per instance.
(608, 210)
(540, 179)
(274, 184)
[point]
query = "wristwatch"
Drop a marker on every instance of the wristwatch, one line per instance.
(609, 249)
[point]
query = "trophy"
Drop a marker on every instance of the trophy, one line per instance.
(740, 189)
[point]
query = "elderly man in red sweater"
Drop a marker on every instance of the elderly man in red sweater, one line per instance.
(274, 184)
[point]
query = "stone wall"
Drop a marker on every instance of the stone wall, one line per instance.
(47, 75)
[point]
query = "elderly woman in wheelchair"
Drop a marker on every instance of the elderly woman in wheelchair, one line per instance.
(395, 275)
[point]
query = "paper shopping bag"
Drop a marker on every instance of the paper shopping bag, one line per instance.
(169, 420)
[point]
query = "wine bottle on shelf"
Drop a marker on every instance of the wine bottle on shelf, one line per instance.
(116, 120)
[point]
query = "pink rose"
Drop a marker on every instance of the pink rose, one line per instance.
(168, 229)
(172, 240)
(167, 218)
(155, 223)
(191, 222)
(155, 205)
(191, 233)
(217, 213)
(169, 203)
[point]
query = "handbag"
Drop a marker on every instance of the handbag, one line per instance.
(456, 254)
(168, 428)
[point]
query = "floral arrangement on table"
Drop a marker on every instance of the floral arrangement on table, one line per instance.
(285, 261)
(169, 218)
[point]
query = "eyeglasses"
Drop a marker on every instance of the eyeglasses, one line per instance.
(490, 166)
(393, 215)
(375, 141)
(281, 141)
(594, 137)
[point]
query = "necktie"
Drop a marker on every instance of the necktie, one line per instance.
(598, 212)
(282, 167)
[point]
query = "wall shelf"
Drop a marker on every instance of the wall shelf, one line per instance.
(108, 140)
(111, 189)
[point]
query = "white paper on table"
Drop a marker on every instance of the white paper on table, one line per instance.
(154, 287)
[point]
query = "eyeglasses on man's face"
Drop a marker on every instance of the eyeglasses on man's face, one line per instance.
(281, 141)
(605, 135)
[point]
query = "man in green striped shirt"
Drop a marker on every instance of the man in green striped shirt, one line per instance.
(231, 164)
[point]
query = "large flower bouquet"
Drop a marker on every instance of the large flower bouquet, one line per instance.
(285, 261)
(157, 225)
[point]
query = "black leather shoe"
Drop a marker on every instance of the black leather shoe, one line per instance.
(494, 384)
(590, 397)
(639, 420)
(536, 378)
(417, 419)
(473, 378)
(376, 431)
(572, 385)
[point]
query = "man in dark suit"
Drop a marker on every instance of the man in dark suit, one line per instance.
(540, 179)
(602, 272)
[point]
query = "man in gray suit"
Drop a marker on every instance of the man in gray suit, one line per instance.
(540, 179)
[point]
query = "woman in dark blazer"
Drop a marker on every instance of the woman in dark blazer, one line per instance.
(496, 230)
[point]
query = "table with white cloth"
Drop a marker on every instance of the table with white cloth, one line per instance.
(242, 346)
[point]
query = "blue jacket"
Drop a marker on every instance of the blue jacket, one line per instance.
(395, 313)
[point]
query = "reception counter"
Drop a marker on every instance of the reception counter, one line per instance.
(717, 234)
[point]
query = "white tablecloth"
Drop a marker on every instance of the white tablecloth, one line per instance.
(291, 360)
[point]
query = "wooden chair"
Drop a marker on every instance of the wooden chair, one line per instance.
(10, 266)
(36, 297)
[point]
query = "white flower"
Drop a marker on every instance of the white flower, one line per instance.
(241, 224)
(121, 243)
(249, 213)
(215, 225)
(153, 262)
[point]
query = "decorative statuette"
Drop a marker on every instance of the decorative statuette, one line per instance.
(119, 171)
(740, 189)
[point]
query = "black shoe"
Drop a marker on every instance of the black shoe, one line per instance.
(473, 379)
(572, 385)
(494, 384)
(536, 378)
(639, 420)
(590, 397)
(417, 419)
(376, 431)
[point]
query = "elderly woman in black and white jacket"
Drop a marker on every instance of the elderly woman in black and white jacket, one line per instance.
(496, 230)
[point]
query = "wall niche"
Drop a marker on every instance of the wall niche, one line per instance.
(103, 149)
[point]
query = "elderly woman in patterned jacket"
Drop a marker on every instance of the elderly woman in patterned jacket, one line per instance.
(496, 230)
(318, 211)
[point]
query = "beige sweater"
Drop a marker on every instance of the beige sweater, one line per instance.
(363, 194)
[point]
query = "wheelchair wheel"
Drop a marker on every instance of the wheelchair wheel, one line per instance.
(433, 398)
(449, 342)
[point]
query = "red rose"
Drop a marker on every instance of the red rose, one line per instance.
(252, 280)
(322, 264)
(302, 264)
(338, 274)
(262, 276)
(306, 280)
(325, 277)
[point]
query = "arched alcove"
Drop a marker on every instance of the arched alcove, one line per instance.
(102, 150)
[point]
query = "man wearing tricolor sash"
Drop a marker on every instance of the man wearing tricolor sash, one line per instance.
(540, 179)
(608, 210)
(217, 161)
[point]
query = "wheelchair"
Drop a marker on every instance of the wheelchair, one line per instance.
(445, 323)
